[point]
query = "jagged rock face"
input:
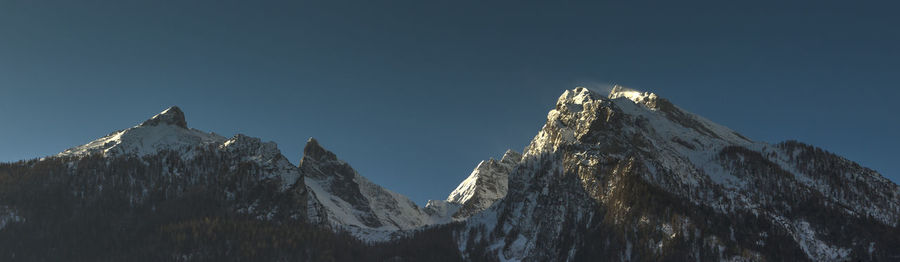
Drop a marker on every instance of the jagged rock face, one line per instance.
(487, 184)
(628, 176)
(323, 169)
(343, 198)
(137, 183)
(171, 116)
(276, 167)
(241, 176)
(633, 177)
(327, 190)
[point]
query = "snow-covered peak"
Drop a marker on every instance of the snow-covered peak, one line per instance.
(167, 131)
(578, 96)
(485, 185)
(643, 98)
(581, 113)
(164, 131)
(171, 116)
(609, 151)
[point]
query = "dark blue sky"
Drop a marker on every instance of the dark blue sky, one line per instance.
(414, 94)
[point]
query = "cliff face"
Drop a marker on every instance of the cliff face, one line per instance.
(486, 185)
(631, 176)
(346, 200)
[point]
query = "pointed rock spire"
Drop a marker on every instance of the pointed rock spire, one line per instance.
(314, 151)
(171, 116)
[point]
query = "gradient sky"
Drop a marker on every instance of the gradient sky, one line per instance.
(414, 94)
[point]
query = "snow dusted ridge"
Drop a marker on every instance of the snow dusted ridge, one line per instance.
(486, 184)
(168, 131)
(343, 198)
(624, 176)
(333, 192)
(165, 131)
(252, 149)
(596, 150)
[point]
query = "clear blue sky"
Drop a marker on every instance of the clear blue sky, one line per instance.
(414, 94)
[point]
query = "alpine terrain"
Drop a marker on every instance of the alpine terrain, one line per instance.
(623, 176)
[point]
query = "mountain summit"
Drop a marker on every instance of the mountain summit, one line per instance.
(485, 185)
(171, 116)
(164, 131)
(630, 176)
(345, 200)
(315, 152)
(623, 176)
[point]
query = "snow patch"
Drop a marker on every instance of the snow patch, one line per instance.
(8, 216)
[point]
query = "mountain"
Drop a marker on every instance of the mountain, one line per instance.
(623, 176)
(486, 184)
(165, 131)
(151, 188)
(140, 192)
(343, 198)
(630, 176)
(183, 154)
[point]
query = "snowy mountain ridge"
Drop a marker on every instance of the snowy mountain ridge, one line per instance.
(337, 194)
(165, 131)
(598, 153)
(347, 199)
(168, 131)
(485, 185)
(621, 176)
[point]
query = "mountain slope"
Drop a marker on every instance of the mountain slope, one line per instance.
(167, 134)
(350, 201)
(165, 131)
(152, 187)
(630, 176)
(486, 184)
(136, 192)
(620, 177)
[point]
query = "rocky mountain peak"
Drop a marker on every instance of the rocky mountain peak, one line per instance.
(578, 96)
(345, 199)
(484, 186)
(165, 131)
(316, 152)
(647, 99)
(574, 99)
(621, 158)
(622, 177)
(171, 116)
(511, 157)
